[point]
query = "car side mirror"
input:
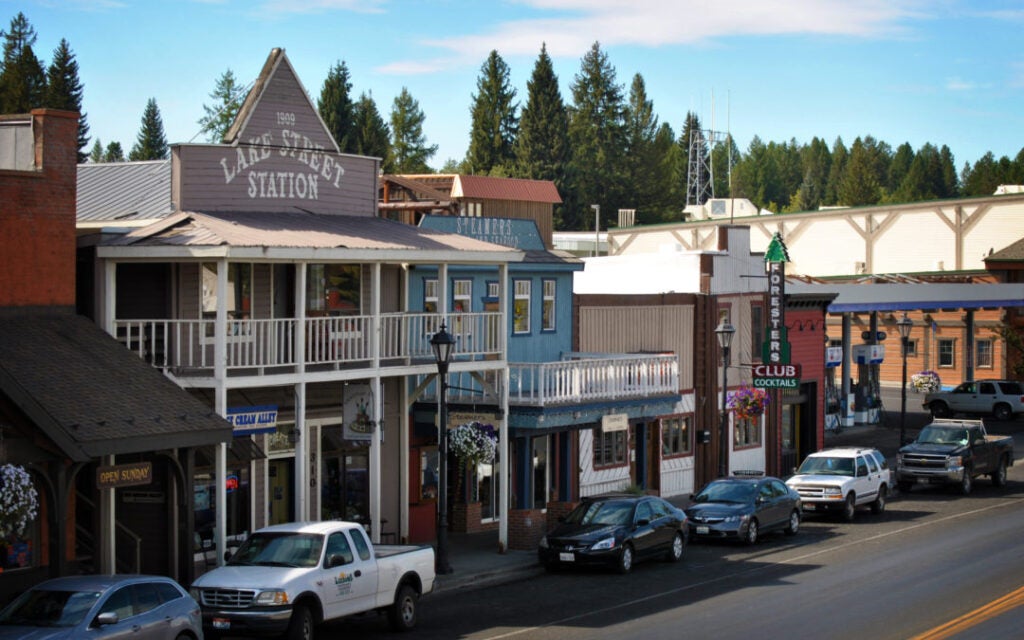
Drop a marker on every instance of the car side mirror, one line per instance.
(107, 617)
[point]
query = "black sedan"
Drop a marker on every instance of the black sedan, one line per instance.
(615, 530)
(743, 508)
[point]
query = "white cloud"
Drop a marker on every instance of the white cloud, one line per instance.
(321, 6)
(957, 84)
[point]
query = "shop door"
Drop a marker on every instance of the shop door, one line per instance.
(280, 490)
(654, 457)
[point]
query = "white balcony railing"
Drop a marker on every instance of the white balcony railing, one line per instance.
(184, 346)
(591, 379)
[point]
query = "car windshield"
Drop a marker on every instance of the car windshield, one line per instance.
(280, 550)
(731, 492)
(942, 435)
(46, 608)
(602, 512)
(827, 466)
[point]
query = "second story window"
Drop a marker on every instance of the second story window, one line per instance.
(983, 359)
(239, 293)
(333, 289)
(462, 296)
(521, 308)
(756, 331)
(547, 311)
(947, 355)
(430, 295)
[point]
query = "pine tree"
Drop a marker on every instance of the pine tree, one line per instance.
(898, 170)
(22, 77)
(840, 156)
(950, 186)
(542, 146)
(151, 144)
(336, 107)
(409, 148)
(648, 176)
(597, 136)
(64, 91)
(724, 157)
(114, 153)
(228, 97)
(96, 155)
(862, 181)
(370, 134)
(494, 123)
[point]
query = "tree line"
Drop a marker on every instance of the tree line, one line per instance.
(604, 145)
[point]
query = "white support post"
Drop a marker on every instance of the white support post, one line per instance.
(376, 411)
(503, 434)
(220, 347)
(108, 526)
(109, 297)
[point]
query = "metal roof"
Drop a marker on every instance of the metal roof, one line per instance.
(123, 191)
(854, 298)
(492, 188)
(307, 234)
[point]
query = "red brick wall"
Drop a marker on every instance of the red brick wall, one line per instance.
(525, 528)
(37, 217)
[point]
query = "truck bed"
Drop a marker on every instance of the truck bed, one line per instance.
(388, 550)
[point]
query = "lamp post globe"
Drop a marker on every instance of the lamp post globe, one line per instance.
(724, 332)
(443, 344)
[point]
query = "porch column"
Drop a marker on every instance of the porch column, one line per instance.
(376, 411)
(108, 303)
(846, 418)
(108, 526)
(220, 367)
(969, 345)
(301, 487)
(504, 476)
(403, 436)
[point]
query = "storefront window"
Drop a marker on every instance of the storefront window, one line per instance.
(747, 433)
(333, 289)
(204, 502)
(239, 300)
(345, 484)
(675, 436)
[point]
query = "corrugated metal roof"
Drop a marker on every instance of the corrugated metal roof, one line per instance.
(296, 229)
(520, 189)
(421, 190)
(119, 191)
(92, 396)
(909, 297)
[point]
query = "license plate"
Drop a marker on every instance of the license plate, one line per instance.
(221, 623)
(809, 507)
(702, 530)
(566, 557)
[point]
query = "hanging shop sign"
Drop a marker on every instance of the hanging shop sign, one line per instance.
(775, 349)
(124, 475)
(252, 420)
(777, 376)
(614, 422)
(358, 423)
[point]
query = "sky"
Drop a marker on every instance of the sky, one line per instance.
(945, 72)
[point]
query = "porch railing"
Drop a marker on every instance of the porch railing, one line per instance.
(590, 379)
(182, 346)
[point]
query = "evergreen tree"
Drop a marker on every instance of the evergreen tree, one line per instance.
(151, 144)
(227, 98)
(96, 155)
(950, 186)
(862, 180)
(840, 156)
(647, 164)
(983, 178)
(114, 153)
(815, 160)
(898, 170)
(542, 146)
(336, 107)
(22, 77)
(724, 157)
(370, 134)
(494, 123)
(64, 91)
(409, 148)
(597, 136)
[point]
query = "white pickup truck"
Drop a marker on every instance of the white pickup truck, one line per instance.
(288, 578)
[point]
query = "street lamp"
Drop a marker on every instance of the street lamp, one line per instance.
(443, 344)
(724, 331)
(904, 325)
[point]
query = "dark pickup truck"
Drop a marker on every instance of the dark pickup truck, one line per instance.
(954, 452)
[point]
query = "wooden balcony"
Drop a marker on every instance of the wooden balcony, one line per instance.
(266, 346)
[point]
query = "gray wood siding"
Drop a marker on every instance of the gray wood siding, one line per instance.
(391, 289)
(641, 329)
(284, 94)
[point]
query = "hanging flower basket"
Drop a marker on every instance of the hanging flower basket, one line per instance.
(19, 502)
(925, 381)
(473, 443)
(748, 403)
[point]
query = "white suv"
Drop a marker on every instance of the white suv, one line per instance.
(843, 479)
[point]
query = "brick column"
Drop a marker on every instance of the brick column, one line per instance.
(525, 528)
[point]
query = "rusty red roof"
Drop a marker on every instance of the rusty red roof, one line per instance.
(490, 188)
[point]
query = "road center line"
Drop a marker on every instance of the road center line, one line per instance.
(798, 559)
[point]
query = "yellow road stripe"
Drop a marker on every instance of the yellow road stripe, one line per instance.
(976, 617)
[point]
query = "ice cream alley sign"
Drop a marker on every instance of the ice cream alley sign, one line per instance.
(775, 370)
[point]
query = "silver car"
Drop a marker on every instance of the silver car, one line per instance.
(103, 606)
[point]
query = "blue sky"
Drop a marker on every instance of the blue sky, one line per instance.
(941, 71)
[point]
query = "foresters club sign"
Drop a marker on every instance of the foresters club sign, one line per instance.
(776, 370)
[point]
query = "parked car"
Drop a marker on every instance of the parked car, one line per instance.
(743, 508)
(998, 398)
(103, 606)
(843, 479)
(954, 452)
(615, 530)
(288, 578)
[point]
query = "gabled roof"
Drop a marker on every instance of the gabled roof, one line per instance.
(420, 189)
(489, 188)
(1012, 253)
(90, 395)
(111, 192)
(306, 235)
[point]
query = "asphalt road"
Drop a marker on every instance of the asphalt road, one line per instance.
(933, 558)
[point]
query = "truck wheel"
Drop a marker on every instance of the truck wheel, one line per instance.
(966, 483)
(1002, 412)
(878, 506)
(301, 625)
(940, 409)
(850, 508)
(999, 475)
(402, 613)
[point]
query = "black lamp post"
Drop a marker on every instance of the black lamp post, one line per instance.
(443, 344)
(904, 325)
(724, 331)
